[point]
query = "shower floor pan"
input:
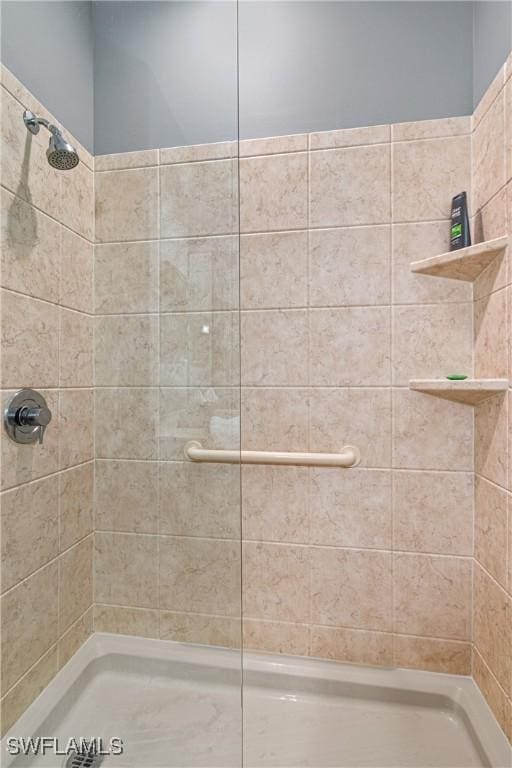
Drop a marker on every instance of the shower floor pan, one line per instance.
(180, 705)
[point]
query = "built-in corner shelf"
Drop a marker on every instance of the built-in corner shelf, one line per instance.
(463, 264)
(468, 391)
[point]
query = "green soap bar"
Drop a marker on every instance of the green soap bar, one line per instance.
(457, 376)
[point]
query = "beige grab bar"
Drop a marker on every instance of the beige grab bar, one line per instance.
(349, 456)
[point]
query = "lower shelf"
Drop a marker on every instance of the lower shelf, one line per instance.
(468, 391)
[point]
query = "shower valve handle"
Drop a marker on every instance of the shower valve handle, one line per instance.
(27, 416)
(34, 417)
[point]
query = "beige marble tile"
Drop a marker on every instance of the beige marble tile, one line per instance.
(200, 349)
(75, 349)
(350, 346)
(76, 272)
(126, 569)
(32, 326)
(29, 622)
(274, 419)
(297, 142)
(77, 204)
(508, 130)
(274, 348)
(126, 621)
(126, 496)
(352, 646)
(489, 96)
(199, 274)
(492, 627)
(132, 437)
(275, 504)
(489, 222)
(432, 596)
(433, 512)
(489, 154)
(432, 655)
(360, 417)
(75, 582)
(76, 504)
(491, 333)
(274, 270)
(412, 242)
(276, 582)
(126, 277)
(195, 152)
(273, 192)
(30, 246)
(350, 186)
(198, 199)
(199, 628)
(76, 426)
(28, 688)
(199, 500)
(211, 416)
(75, 636)
(495, 696)
(430, 433)
(126, 350)
(431, 342)
(22, 463)
(491, 440)
(276, 637)
(491, 529)
(351, 588)
(431, 129)
(127, 205)
(123, 160)
(426, 175)
(350, 509)
(200, 575)
(24, 167)
(349, 266)
(30, 524)
(350, 137)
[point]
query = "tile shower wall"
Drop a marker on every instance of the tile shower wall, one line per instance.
(167, 542)
(46, 344)
(372, 565)
(492, 193)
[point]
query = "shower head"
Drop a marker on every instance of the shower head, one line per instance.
(60, 153)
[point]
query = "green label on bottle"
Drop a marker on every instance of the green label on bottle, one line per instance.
(457, 230)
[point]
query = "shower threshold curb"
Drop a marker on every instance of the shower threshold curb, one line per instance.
(455, 693)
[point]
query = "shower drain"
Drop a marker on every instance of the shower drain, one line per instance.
(85, 759)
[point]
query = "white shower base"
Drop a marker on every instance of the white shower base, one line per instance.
(180, 705)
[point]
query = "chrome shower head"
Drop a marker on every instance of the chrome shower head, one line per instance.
(60, 153)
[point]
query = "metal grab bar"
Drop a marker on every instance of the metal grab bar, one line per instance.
(349, 456)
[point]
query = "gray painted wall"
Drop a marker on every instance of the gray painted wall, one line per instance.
(303, 66)
(170, 67)
(49, 47)
(492, 42)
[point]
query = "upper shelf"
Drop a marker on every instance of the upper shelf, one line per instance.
(467, 391)
(463, 264)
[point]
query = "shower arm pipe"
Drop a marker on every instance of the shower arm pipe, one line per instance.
(348, 456)
(33, 122)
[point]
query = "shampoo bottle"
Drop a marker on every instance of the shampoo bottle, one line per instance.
(460, 236)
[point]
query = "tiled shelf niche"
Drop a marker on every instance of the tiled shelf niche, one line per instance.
(464, 264)
(467, 391)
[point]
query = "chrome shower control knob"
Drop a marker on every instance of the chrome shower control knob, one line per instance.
(27, 416)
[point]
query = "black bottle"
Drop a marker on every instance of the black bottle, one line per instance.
(460, 236)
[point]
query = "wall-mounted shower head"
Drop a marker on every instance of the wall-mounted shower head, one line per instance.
(60, 153)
